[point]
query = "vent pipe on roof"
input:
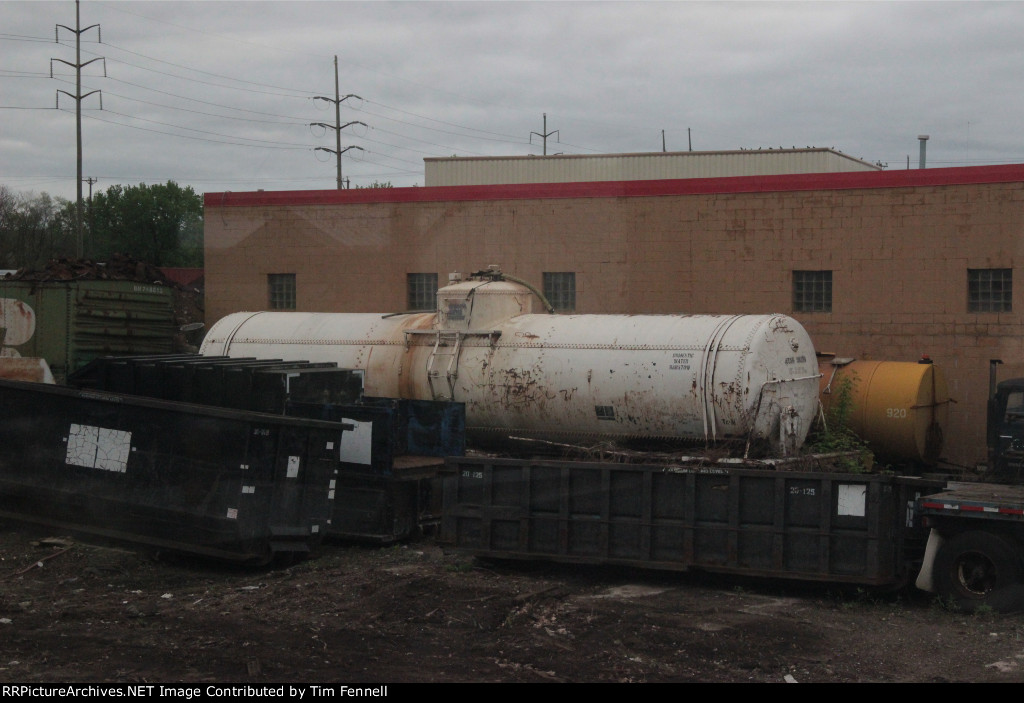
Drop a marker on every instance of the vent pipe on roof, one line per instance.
(923, 138)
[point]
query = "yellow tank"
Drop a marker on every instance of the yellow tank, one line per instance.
(899, 408)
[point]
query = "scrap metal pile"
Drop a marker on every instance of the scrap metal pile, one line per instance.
(118, 268)
(189, 313)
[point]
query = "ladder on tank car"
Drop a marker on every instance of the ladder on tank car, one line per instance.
(447, 345)
(445, 354)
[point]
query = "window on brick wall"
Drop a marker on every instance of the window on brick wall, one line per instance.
(989, 290)
(560, 290)
(281, 291)
(421, 291)
(812, 291)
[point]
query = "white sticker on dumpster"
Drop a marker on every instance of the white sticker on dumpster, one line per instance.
(98, 448)
(356, 445)
(293, 466)
(852, 499)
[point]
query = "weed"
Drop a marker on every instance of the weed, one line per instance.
(834, 435)
(950, 605)
(847, 599)
(947, 604)
(984, 611)
(459, 567)
(864, 597)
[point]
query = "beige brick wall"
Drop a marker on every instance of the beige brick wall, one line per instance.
(899, 257)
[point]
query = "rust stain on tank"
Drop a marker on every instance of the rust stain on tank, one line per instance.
(519, 388)
(423, 321)
(641, 408)
(24, 369)
(405, 376)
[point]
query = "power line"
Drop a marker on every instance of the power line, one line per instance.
(278, 145)
(197, 70)
(465, 130)
(202, 102)
(496, 136)
(409, 130)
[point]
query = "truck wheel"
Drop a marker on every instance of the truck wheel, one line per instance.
(976, 569)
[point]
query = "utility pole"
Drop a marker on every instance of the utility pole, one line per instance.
(337, 126)
(90, 181)
(544, 135)
(78, 97)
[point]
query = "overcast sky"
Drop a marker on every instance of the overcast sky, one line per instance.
(219, 96)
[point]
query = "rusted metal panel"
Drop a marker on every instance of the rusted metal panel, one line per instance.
(15, 368)
(76, 321)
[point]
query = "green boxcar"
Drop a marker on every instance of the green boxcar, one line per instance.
(70, 323)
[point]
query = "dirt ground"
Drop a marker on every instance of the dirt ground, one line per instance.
(76, 611)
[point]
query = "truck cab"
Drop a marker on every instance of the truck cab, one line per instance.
(974, 552)
(1005, 431)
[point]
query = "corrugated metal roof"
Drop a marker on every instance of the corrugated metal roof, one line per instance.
(495, 170)
(909, 178)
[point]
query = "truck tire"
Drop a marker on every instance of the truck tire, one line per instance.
(980, 569)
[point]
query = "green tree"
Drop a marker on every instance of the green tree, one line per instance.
(159, 224)
(34, 229)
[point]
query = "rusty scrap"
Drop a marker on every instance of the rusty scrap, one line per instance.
(188, 300)
(118, 268)
(38, 562)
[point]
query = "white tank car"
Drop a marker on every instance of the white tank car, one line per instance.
(521, 373)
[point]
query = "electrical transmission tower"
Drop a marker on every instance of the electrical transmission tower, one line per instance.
(544, 135)
(78, 97)
(337, 126)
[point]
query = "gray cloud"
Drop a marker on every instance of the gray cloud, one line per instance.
(219, 95)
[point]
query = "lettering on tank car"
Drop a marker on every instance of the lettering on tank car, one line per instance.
(790, 360)
(681, 361)
(724, 403)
